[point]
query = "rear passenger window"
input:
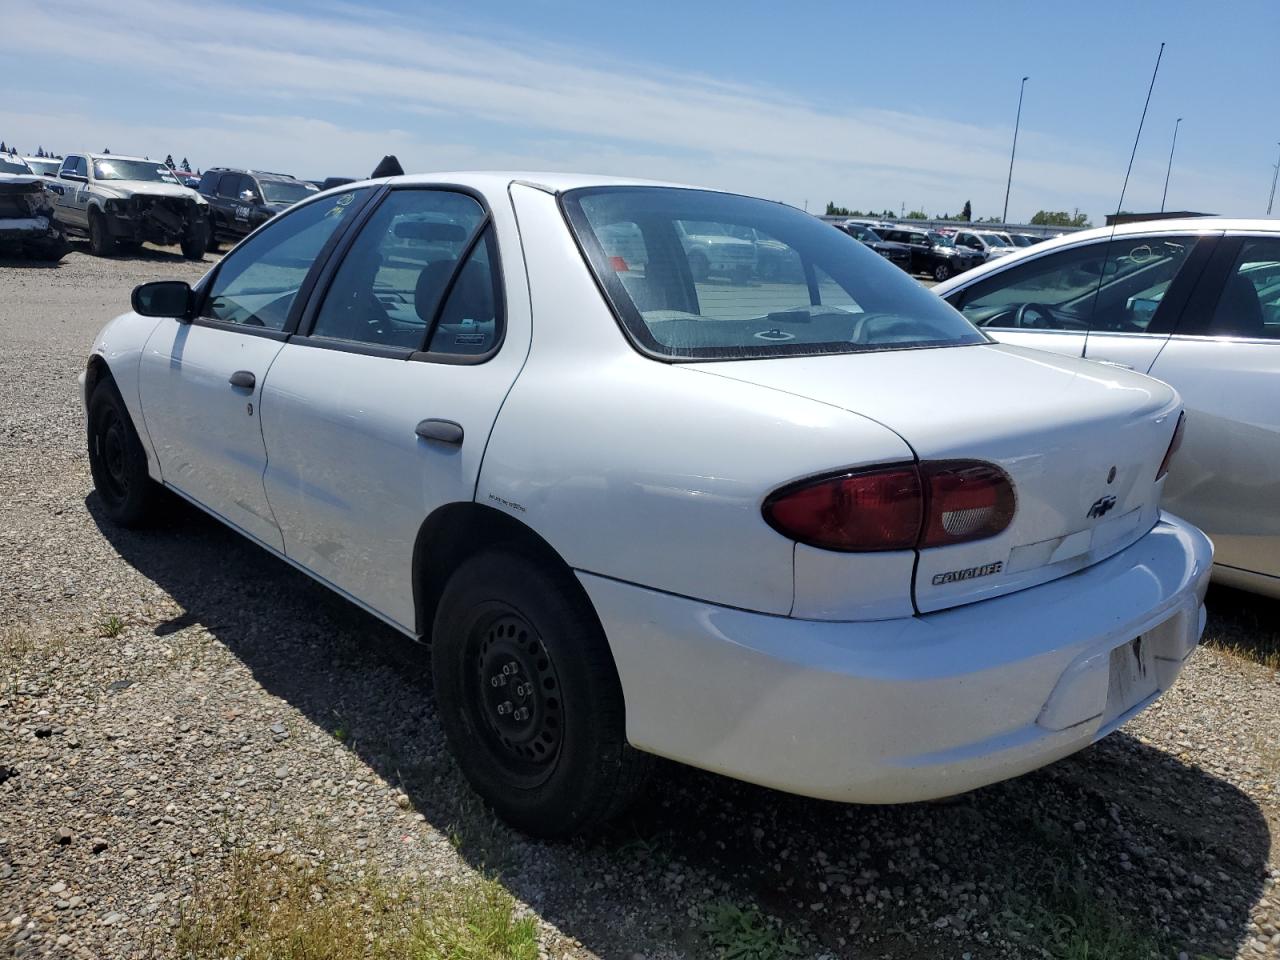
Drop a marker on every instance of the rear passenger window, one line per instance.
(229, 186)
(392, 279)
(469, 320)
(1250, 302)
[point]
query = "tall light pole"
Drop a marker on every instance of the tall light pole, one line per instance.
(1273, 186)
(1170, 168)
(1014, 152)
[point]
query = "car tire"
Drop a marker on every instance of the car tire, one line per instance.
(196, 240)
(117, 460)
(699, 266)
(942, 271)
(101, 243)
(513, 632)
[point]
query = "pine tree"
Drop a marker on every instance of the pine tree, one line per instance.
(186, 166)
(967, 213)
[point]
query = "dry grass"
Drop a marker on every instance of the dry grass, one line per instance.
(269, 909)
(1244, 625)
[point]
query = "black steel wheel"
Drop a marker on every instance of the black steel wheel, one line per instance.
(515, 695)
(117, 459)
(529, 697)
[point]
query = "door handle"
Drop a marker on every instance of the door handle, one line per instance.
(243, 378)
(444, 431)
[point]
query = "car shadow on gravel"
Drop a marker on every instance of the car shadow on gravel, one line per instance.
(28, 263)
(1123, 848)
(142, 253)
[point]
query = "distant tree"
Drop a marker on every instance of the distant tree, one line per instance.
(967, 213)
(3, 148)
(186, 166)
(917, 215)
(168, 161)
(834, 211)
(105, 150)
(1060, 218)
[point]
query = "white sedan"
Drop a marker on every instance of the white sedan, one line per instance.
(820, 534)
(1195, 303)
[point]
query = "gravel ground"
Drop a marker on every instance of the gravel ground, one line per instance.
(169, 696)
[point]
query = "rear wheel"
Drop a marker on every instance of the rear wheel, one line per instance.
(941, 272)
(118, 461)
(529, 697)
(101, 243)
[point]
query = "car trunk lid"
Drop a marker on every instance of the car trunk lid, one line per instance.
(1081, 442)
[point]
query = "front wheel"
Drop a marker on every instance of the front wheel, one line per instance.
(529, 697)
(196, 240)
(942, 272)
(118, 461)
(101, 243)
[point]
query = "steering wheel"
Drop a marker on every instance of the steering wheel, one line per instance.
(1035, 315)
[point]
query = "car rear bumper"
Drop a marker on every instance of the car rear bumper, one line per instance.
(916, 708)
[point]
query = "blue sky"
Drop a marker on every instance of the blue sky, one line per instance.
(868, 104)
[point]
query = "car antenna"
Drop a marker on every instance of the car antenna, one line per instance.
(388, 167)
(1115, 221)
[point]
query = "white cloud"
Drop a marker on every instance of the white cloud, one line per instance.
(537, 105)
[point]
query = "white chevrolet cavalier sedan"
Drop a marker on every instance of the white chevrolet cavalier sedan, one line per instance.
(799, 523)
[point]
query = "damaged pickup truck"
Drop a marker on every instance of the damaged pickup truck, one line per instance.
(125, 201)
(27, 223)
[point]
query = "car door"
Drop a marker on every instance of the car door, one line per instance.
(380, 413)
(228, 202)
(1224, 358)
(1113, 300)
(73, 199)
(200, 382)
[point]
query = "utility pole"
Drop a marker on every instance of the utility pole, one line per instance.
(1273, 186)
(1014, 152)
(1168, 171)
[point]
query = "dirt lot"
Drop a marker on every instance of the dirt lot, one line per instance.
(195, 738)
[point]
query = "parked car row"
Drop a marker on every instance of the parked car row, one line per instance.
(1195, 303)
(119, 202)
(28, 223)
(659, 470)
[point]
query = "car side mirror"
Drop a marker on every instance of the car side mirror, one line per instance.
(163, 298)
(74, 176)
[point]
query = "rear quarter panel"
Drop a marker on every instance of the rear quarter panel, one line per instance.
(655, 473)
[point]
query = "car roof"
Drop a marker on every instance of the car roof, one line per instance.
(262, 174)
(1139, 228)
(499, 180)
(117, 156)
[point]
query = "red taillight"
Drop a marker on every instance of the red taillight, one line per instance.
(1174, 444)
(899, 507)
(877, 509)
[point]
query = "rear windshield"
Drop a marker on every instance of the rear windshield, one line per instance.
(693, 274)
